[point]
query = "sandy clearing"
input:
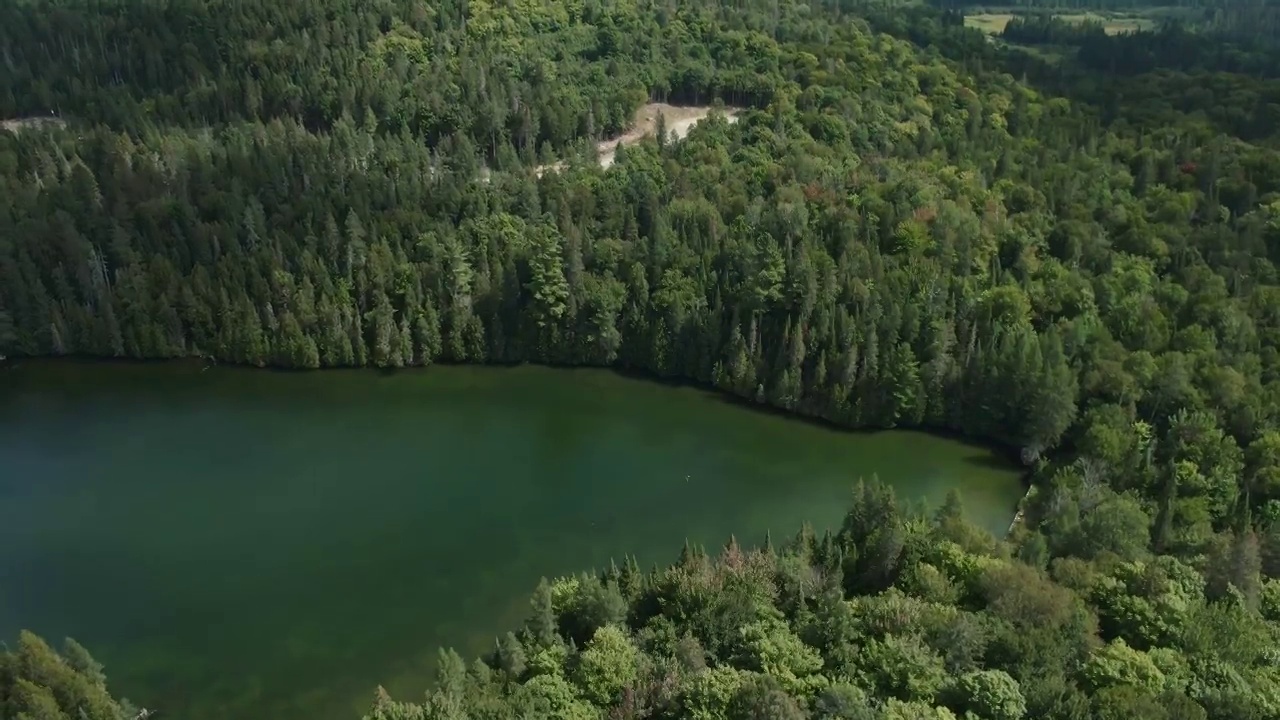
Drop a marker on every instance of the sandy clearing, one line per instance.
(17, 125)
(679, 119)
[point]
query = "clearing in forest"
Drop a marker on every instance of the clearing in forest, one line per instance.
(989, 23)
(994, 23)
(680, 119)
(17, 125)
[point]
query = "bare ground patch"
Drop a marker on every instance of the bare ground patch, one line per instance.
(679, 120)
(17, 125)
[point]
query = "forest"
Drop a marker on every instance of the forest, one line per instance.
(909, 225)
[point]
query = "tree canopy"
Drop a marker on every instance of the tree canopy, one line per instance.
(1064, 242)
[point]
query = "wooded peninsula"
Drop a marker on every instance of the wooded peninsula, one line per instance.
(1054, 227)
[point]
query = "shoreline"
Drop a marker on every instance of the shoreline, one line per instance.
(1005, 452)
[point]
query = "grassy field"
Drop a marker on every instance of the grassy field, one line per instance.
(989, 23)
(992, 23)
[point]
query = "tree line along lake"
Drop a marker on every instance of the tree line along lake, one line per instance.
(236, 543)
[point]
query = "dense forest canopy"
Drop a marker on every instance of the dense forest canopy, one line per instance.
(910, 225)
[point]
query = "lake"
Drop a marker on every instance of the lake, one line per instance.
(238, 543)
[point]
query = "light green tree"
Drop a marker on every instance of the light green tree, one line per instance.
(608, 664)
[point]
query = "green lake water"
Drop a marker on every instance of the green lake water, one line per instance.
(239, 544)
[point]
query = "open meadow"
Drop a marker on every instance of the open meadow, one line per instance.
(993, 23)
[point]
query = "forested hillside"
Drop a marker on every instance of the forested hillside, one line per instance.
(908, 226)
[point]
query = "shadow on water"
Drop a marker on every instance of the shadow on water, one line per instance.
(986, 461)
(999, 456)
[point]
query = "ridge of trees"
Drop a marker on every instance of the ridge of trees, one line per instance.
(1079, 263)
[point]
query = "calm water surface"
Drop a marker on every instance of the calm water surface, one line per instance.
(246, 545)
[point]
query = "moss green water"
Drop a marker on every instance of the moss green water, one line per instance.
(246, 545)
